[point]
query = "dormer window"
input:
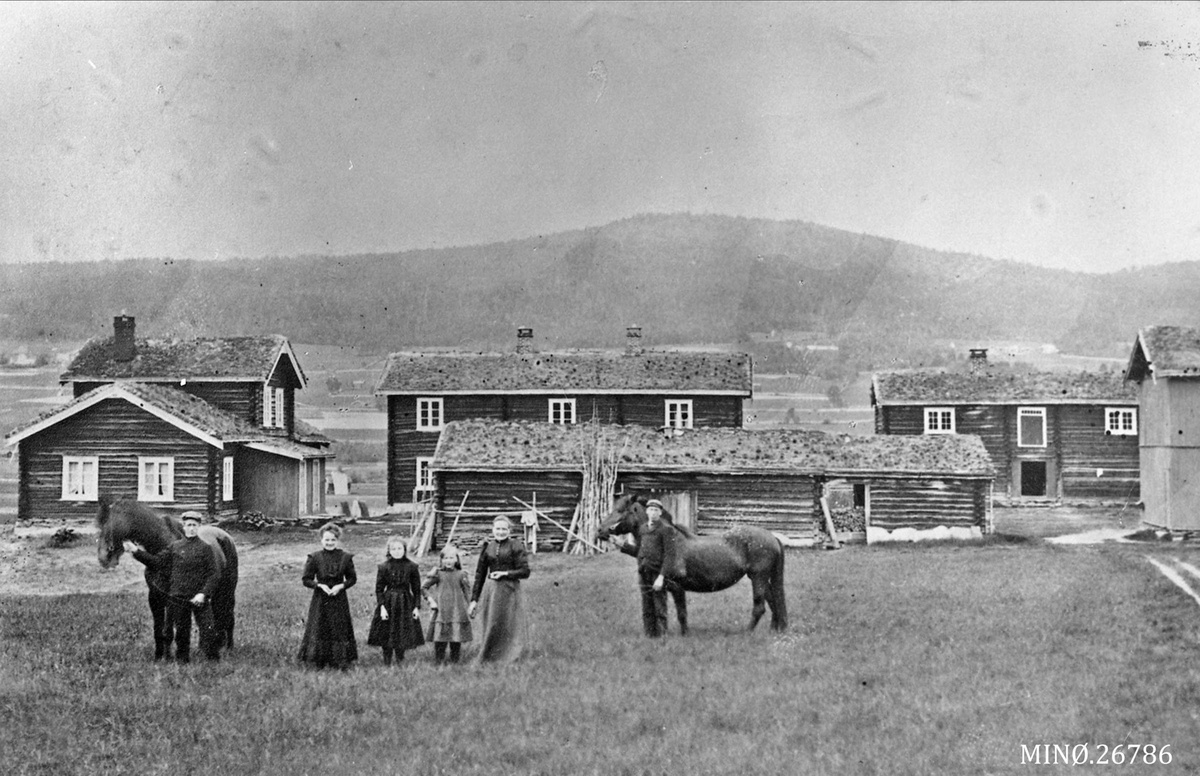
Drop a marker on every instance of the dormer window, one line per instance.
(272, 407)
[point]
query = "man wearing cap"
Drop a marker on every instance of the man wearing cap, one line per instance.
(656, 556)
(192, 566)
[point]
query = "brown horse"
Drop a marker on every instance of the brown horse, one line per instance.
(712, 563)
(126, 519)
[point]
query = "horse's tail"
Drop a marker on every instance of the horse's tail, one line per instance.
(776, 598)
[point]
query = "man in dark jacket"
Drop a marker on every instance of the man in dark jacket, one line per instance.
(656, 557)
(192, 566)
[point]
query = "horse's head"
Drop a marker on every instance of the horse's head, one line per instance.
(108, 549)
(628, 513)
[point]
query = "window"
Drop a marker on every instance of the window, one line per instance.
(424, 475)
(1031, 427)
(429, 415)
(79, 475)
(227, 478)
(939, 420)
(1120, 421)
(562, 411)
(318, 484)
(156, 481)
(679, 414)
(272, 407)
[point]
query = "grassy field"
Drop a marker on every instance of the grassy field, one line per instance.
(900, 659)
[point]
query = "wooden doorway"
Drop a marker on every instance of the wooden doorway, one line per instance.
(1033, 478)
(682, 507)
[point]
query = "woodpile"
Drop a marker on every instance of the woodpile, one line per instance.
(599, 454)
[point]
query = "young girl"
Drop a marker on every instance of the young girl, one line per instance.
(447, 590)
(329, 631)
(396, 625)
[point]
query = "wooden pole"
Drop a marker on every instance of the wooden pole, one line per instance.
(829, 523)
(560, 525)
(457, 515)
(570, 531)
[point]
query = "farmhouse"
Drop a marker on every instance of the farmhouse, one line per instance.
(1165, 367)
(637, 386)
(712, 478)
(1050, 435)
(199, 424)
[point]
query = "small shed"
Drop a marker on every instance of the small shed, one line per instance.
(713, 478)
(1165, 365)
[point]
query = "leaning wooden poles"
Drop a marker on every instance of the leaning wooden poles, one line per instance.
(599, 454)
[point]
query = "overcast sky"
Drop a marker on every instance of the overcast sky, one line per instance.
(1062, 134)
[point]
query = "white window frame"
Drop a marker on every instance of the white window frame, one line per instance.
(273, 407)
(936, 415)
(431, 413)
(1113, 421)
(155, 464)
(424, 478)
(317, 482)
(561, 412)
(1031, 412)
(85, 485)
(678, 413)
(227, 478)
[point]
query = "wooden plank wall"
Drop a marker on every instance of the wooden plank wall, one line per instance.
(118, 433)
(268, 484)
(1095, 464)
(490, 493)
(921, 503)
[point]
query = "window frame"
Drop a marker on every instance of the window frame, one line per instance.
(273, 401)
(424, 472)
(425, 408)
(156, 461)
(1032, 412)
(90, 484)
(936, 427)
(678, 404)
(561, 405)
(1115, 429)
(227, 478)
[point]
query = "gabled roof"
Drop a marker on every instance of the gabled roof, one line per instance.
(1000, 387)
(482, 445)
(182, 410)
(576, 371)
(229, 359)
(1164, 351)
(308, 434)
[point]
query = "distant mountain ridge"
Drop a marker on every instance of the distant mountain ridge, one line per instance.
(683, 278)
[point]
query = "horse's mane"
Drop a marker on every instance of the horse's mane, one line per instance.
(139, 516)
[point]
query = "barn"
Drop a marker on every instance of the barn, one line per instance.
(712, 478)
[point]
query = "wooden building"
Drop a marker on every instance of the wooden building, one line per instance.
(1165, 368)
(636, 386)
(203, 424)
(711, 479)
(1050, 435)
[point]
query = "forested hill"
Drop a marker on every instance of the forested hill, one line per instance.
(683, 278)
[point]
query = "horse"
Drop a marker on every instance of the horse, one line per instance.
(707, 564)
(125, 519)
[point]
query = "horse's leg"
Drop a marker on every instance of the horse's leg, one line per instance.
(158, 608)
(223, 614)
(775, 595)
(680, 597)
(758, 586)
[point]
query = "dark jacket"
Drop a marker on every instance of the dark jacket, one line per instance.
(656, 551)
(508, 555)
(191, 565)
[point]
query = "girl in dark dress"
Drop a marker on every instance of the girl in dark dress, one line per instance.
(396, 625)
(448, 591)
(502, 565)
(329, 632)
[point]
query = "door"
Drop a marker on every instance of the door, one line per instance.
(1033, 478)
(682, 507)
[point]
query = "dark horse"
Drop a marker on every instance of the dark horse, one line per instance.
(711, 563)
(126, 519)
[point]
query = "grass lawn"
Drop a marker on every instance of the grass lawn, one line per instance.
(916, 659)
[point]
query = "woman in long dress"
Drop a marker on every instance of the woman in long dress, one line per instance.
(503, 563)
(329, 632)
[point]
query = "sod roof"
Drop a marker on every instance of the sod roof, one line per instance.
(206, 358)
(1001, 387)
(1165, 351)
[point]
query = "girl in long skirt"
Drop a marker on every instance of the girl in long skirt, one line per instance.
(448, 591)
(396, 625)
(502, 565)
(329, 632)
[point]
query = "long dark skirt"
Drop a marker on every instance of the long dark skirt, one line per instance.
(401, 630)
(504, 631)
(329, 632)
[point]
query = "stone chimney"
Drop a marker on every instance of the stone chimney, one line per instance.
(977, 362)
(525, 339)
(124, 348)
(633, 340)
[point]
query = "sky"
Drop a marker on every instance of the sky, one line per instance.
(1060, 134)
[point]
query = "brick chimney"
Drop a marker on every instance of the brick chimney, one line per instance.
(633, 340)
(525, 339)
(977, 361)
(124, 348)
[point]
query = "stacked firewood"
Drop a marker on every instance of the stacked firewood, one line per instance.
(599, 454)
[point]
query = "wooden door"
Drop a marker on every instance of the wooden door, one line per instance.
(682, 507)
